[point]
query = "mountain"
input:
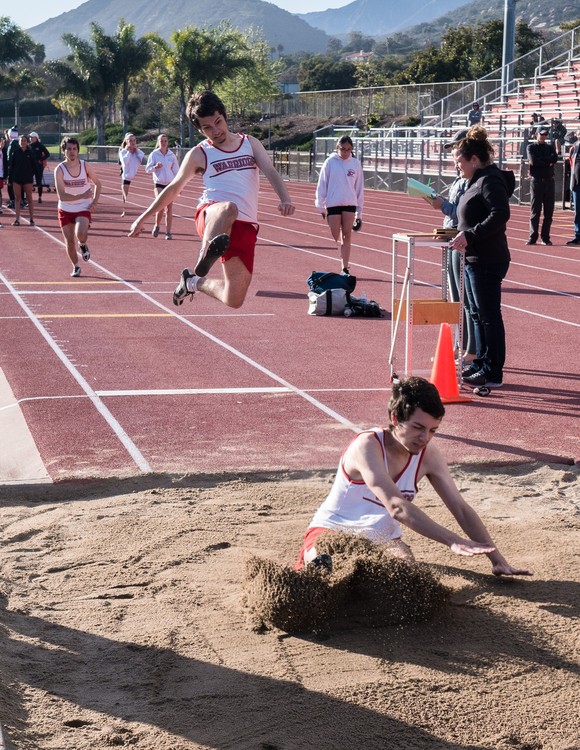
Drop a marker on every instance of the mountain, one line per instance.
(379, 17)
(279, 26)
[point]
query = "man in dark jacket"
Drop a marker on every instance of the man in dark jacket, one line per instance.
(575, 190)
(542, 156)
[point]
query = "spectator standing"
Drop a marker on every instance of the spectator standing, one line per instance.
(483, 213)
(542, 156)
(12, 143)
(42, 156)
(130, 159)
(557, 134)
(340, 196)
(449, 208)
(575, 190)
(3, 167)
(163, 165)
(22, 170)
(475, 115)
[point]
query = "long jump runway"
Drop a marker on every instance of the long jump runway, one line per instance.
(113, 380)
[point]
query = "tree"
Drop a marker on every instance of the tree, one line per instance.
(132, 56)
(90, 72)
(242, 92)
(206, 58)
(16, 45)
(320, 73)
(19, 81)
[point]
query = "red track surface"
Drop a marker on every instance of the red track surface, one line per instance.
(113, 379)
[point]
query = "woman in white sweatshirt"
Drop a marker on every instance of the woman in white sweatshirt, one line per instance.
(340, 196)
(163, 165)
(130, 159)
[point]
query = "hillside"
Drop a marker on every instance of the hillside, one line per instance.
(378, 17)
(279, 26)
(385, 17)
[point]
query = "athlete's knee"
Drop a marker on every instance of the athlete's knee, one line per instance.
(229, 210)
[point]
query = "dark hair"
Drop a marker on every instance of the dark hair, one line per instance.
(345, 139)
(475, 143)
(69, 139)
(204, 104)
(414, 393)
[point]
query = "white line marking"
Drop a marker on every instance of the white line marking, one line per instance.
(125, 440)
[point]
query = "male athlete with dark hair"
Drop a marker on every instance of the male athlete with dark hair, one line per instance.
(227, 212)
(377, 480)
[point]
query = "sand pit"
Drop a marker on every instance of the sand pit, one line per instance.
(122, 623)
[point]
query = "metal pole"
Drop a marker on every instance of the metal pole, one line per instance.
(509, 43)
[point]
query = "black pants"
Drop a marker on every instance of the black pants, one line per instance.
(542, 197)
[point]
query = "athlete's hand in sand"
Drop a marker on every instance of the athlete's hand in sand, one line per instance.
(136, 227)
(469, 549)
(286, 209)
(504, 569)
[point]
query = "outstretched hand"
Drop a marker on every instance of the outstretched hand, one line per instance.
(469, 548)
(136, 227)
(504, 569)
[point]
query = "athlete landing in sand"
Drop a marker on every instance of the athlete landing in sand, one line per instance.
(377, 479)
(227, 212)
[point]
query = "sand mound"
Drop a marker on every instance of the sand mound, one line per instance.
(367, 585)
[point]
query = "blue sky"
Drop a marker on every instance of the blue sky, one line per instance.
(33, 12)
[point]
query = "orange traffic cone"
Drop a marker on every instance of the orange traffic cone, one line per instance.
(444, 374)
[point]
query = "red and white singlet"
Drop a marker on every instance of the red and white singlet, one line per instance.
(231, 176)
(75, 185)
(350, 506)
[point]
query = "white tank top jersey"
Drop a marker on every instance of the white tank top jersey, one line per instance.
(75, 186)
(351, 507)
(232, 176)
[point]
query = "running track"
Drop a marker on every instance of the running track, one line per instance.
(113, 380)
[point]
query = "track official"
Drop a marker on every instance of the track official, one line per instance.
(542, 156)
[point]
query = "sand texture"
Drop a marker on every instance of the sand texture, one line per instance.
(134, 613)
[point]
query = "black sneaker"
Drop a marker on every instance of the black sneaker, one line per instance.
(573, 242)
(76, 271)
(547, 242)
(531, 242)
(346, 271)
(476, 378)
(324, 562)
(214, 251)
(469, 370)
(181, 291)
(85, 252)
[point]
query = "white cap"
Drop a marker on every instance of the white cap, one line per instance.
(34, 134)
(13, 133)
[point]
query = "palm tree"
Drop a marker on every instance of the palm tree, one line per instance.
(15, 44)
(19, 81)
(132, 56)
(206, 57)
(90, 72)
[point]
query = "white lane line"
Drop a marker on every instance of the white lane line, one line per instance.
(240, 355)
(125, 440)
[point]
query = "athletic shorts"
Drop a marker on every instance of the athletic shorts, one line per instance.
(1, 183)
(159, 186)
(310, 537)
(22, 184)
(126, 182)
(243, 238)
(70, 217)
(335, 210)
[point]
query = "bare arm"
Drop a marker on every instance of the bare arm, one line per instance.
(286, 206)
(96, 182)
(364, 460)
(192, 164)
(464, 514)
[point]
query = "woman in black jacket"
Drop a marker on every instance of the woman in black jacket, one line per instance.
(42, 156)
(483, 213)
(22, 169)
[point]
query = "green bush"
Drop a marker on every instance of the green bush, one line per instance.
(113, 135)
